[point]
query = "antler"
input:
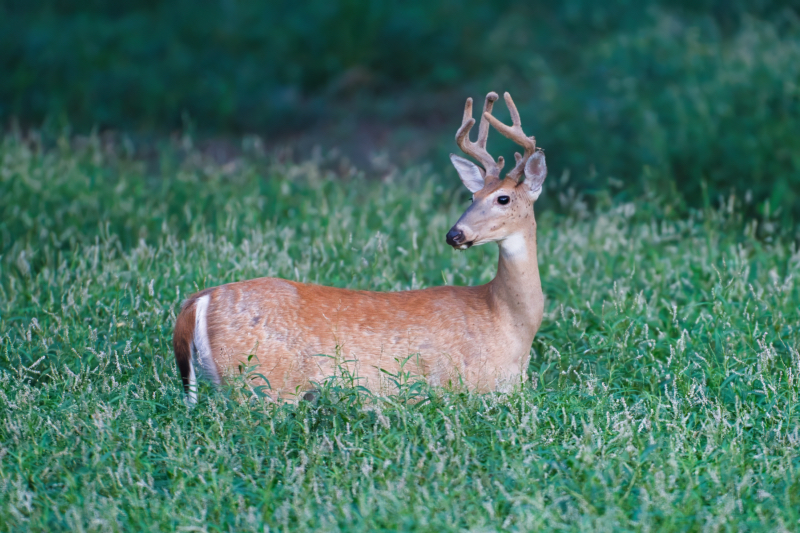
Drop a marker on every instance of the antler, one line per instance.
(516, 134)
(478, 149)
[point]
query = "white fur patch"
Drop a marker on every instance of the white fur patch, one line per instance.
(201, 347)
(514, 245)
(191, 399)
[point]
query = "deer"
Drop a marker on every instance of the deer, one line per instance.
(479, 337)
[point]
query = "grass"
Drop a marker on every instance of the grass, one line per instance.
(663, 389)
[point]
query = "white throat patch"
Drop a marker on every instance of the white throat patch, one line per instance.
(513, 246)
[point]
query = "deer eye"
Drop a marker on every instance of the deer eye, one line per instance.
(503, 200)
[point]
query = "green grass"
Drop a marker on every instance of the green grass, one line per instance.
(663, 388)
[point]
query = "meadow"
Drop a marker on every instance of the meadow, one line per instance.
(662, 392)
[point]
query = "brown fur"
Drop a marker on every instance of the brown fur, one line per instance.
(288, 325)
(183, 337)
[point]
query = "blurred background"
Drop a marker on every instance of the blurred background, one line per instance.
(695, 99)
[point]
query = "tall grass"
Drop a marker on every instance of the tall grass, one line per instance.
(663, 389)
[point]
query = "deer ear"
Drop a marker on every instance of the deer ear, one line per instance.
(469, 172)
(535, 173)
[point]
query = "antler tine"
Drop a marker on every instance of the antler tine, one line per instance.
(478, 149)
(483, 129)
(515, 133)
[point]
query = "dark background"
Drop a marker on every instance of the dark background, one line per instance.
(692, 99)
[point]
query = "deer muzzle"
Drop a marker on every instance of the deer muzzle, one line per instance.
(457, 239)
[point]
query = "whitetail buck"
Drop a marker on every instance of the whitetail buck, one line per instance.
(478, 336)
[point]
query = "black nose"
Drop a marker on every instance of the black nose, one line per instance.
(455, 237)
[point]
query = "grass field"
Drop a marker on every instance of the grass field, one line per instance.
(663, 390)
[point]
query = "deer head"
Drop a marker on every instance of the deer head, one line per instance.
(500, 207)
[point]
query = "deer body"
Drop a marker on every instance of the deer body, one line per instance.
(480, 336)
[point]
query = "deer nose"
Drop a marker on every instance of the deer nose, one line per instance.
(455, 237)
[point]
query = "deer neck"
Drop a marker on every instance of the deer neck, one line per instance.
(516, 292)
